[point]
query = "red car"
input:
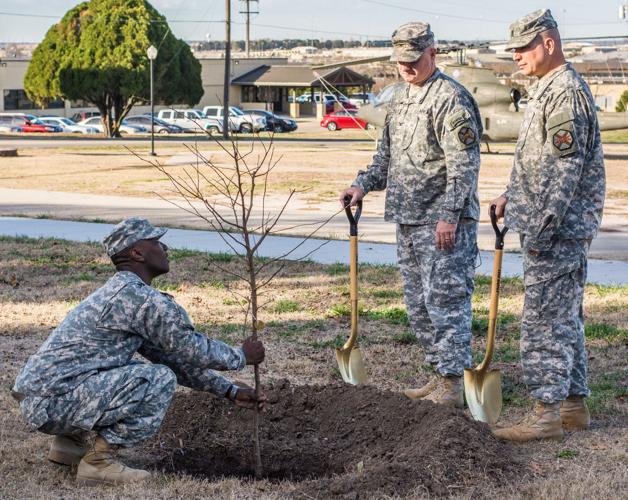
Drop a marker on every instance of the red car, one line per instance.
(37, 126)
(344, 119)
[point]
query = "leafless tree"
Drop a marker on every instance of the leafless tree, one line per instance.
(232, 200)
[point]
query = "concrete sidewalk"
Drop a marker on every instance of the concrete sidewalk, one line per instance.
(322, 251)
(611, 242)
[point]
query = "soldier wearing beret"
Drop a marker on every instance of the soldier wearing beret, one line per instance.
(554, 200)
(84, 379)
(428, 161)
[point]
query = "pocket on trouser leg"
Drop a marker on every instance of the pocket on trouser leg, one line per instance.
(548, 335)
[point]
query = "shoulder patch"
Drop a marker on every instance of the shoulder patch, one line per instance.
(457, 119)
(466, 135)
(563, 140)
(561, 133)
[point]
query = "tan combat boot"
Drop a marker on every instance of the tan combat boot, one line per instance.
(544, 423)
(99, 467)
(68, 449)
(448, 392)
(421, 392)
(575, 414)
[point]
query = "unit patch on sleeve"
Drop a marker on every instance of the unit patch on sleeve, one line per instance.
(562, 139)
(466, 135)
(561, 134)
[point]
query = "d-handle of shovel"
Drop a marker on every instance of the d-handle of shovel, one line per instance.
(495, 285)
(499, 233)
(353, 217)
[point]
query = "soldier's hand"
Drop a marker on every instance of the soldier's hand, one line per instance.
(246, 398)
(500, 206)
(445, 235)
(354, 192)
(253, 351)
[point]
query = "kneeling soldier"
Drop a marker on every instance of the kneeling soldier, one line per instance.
(83, 378)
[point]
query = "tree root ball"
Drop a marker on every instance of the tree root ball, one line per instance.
(335, 440)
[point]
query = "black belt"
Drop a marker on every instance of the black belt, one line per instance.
(18, 396)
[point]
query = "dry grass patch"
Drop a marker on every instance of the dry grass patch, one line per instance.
(40, 280)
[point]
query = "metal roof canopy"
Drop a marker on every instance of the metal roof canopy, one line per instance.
(301, 77)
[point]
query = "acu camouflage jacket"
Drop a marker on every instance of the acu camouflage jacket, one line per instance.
(429, 155)
(557, 183)
(121, 318)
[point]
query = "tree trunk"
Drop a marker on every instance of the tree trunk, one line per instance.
(250, 261)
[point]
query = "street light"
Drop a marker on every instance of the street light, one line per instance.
(151, 52)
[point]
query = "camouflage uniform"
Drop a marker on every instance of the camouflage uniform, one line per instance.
(428, 161)
(555, 201)
(84, 377)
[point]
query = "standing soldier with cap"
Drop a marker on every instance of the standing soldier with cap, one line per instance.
(428, 160)
(83, 378)
(554, 200)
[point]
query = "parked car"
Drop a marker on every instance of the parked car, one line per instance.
(16, 121)
(344, 119)
(67, 125)
(161, 127)
(7, 125)
(8, 128)
(125, 128)
(83, 115)
(328, 99)
(274, 122)
(238, 120)
(37, 126)
(190, 120)
(359, 98)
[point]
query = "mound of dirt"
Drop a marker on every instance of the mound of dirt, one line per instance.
(335, 440)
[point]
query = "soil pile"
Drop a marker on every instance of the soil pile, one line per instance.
(336, 440)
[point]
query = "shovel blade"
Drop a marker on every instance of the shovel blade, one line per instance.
(483, 392)
(351, 365)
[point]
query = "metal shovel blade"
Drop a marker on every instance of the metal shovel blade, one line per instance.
(351, 365)
(483, 392)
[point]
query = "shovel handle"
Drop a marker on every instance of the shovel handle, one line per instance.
(495, 286)
(353, 217)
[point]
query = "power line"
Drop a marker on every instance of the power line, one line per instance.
(201, 21)
(437, 14)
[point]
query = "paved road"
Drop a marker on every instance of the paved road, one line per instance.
(331, 251)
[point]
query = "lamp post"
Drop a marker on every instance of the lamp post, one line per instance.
(151, 52)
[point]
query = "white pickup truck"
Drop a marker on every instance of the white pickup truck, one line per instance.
(190, 120)
(238, 120)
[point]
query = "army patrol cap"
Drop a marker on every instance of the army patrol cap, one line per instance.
(410, 40)
(524, 30)
(128, 233)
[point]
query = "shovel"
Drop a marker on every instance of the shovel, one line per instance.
(349, 357)
(483, 387)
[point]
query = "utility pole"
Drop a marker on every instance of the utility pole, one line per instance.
(225, 99)
(248, 12)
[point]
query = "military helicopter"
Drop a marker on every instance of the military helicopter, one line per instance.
(499, 104)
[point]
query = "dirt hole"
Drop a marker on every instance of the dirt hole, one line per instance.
(335, 440)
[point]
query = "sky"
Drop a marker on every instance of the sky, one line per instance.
(28, 20)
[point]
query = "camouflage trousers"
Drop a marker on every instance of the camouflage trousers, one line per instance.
(124, 405)
(437, 287)
(553, 355)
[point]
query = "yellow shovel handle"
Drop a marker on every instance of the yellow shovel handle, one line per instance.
(353, 290)
(492, 312)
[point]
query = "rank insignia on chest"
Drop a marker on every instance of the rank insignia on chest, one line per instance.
(562, 139)
(466, 135)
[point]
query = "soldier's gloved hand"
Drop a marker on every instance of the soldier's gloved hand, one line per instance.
(500, 206)
(445, 235)
(356, 194)
(244, 396)
(254, 351)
